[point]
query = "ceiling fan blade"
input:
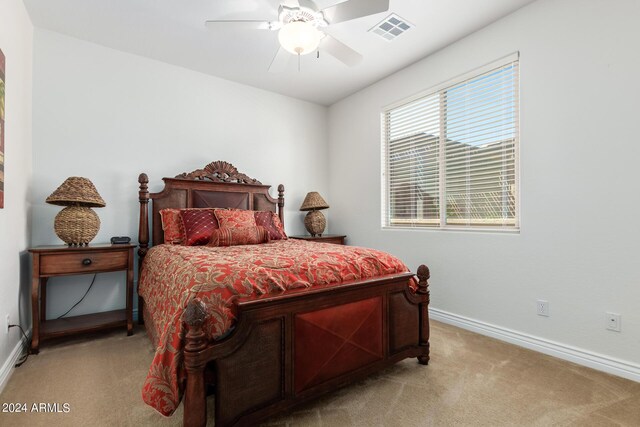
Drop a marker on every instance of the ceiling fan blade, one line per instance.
(324, 4)
(353, 9)
(340, 51)
(280, 61)
(239, 25)
(291, 3)
(309, 4)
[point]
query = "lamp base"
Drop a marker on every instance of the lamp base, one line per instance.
(315, 223)
(76, 225)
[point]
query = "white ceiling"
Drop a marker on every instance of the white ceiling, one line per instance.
(173, 31)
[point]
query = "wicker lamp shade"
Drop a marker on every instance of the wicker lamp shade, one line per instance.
(77, 224)
(313, 201)
(76, 191)
(314, 221)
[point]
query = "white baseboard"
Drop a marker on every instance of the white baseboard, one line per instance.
(7, 367)
(582, 357)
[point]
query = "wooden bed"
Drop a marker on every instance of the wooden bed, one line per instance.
(257, 368)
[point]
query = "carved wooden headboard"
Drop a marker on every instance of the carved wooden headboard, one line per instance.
(217, 185)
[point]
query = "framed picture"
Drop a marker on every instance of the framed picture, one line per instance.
(2, 80)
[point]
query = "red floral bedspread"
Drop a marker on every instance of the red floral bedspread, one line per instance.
(172, 275)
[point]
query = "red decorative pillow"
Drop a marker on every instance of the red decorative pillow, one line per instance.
(234, 218)
(233, 236)
(279, 226)
(198, 226)
(266, 219)
(172, 226)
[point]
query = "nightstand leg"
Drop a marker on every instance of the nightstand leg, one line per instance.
(130, 294)
(35, 313)
(43, 299)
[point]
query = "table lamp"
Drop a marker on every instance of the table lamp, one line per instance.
(77, 224)
(314, 221)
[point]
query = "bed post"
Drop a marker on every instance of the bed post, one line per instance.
(143, 233)
(195, 405)
(281, 203)
(423, 291)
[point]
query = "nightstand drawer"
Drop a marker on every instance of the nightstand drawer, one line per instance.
(337, 239)
(80, 263)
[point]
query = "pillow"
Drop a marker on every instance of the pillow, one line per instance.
(172, 226)
(279, 226)
(233, 236)
(267, 220)
(199, 224)
(235, 218)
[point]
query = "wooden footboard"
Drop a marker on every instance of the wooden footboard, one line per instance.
(291, 348)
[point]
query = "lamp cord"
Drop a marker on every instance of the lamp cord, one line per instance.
(24, 357)
(81, 299)
(26, 340)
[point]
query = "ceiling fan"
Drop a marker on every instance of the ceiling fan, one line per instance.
(301, 26)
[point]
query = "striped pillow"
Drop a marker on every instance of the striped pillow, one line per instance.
(234, 236)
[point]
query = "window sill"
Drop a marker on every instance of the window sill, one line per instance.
(495, 230)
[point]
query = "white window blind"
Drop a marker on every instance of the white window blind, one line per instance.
(450, 156)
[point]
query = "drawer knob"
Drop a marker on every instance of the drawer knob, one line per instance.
(86, 261)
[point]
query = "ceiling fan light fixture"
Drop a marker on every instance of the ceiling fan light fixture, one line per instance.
(299, 37)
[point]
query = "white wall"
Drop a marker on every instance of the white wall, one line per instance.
(578, 247)
(16, 34)
(109, 115)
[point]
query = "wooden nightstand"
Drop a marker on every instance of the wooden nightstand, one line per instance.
(325, 238)
(52, 261)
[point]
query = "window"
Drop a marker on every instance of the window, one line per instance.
(450, 155)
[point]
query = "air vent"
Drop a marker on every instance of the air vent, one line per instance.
(391, 27)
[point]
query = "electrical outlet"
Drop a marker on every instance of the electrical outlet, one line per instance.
(542, 308)
(613, 321)
(7, 322)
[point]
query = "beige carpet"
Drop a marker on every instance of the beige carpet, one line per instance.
(472, 381)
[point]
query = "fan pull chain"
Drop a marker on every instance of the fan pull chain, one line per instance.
(298, 62)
